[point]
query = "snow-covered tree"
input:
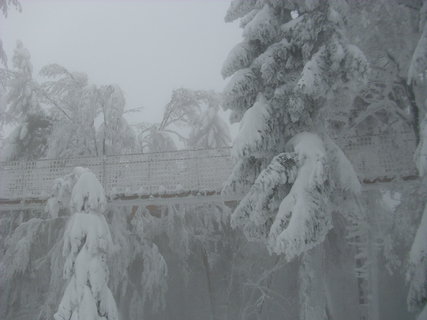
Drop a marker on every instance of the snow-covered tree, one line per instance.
(28, 140)
(153, 139)
(138, 271)
(285, 76)
(210, 130)
(75, 107)
(196, 111)
(181, 111)
(390, 33)
(22, 96)
(293, 78)
(73, 112)
(114, 136)
(87, 245)
(390, 102)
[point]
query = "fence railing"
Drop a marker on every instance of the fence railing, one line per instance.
(380, 157)
(145, 174)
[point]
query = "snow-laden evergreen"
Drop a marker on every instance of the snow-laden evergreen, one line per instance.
(87, 245)
(293, 72)
(302, 219)
(284, 79)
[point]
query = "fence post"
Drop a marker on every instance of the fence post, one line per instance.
(150, 187)
(197, 157)
(104, 183)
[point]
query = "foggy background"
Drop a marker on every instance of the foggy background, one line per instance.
(148, 48)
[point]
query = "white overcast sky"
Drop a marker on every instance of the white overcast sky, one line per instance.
(148, 48)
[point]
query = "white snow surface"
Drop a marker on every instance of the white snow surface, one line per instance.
(288, 26)
(310, 82)
(255, 206)
(268, 61)
(62, 191)
(262, 27)
(252, 126)
(87, 242)
(238, 90)
(88, 194)
(238, 9)
(239, 57)
(88, 229)
(302, 220)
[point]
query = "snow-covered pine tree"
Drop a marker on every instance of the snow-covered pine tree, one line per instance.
(138, 271)
(293, 79)
(285, 76)
(87, 244)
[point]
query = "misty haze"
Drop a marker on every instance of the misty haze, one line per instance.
(213, 160)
